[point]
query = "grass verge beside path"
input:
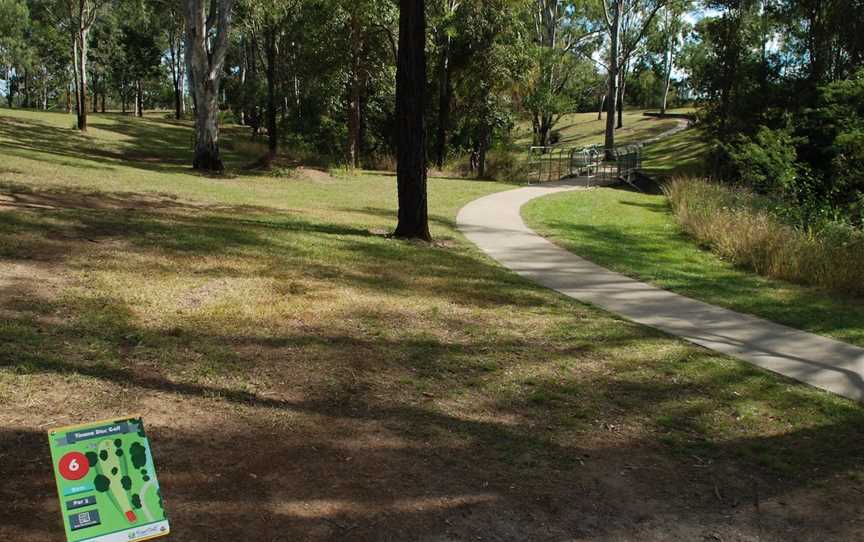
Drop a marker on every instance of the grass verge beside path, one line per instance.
(637, 235)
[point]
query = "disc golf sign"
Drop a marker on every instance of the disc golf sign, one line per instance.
(106, 482)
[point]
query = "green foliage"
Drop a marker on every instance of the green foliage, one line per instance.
(126, 482)
(766, 161)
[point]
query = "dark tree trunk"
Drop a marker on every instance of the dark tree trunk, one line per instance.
(253, 119)
(411, 132)
(354, 90)
(445, 91)
(95, 91)
(178, 101)
(612, 92)
(272, 124)
(139, 98)
(483, 148)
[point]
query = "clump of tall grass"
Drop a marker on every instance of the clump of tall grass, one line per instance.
(741, 228)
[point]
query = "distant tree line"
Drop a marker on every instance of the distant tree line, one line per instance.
(320, 75)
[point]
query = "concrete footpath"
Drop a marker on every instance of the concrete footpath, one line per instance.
(495, 225)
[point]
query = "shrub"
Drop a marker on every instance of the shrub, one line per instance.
(744, 229)
(765, 162)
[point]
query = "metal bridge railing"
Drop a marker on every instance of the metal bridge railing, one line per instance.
(593, 163)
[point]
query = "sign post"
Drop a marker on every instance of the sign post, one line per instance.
(106, 482)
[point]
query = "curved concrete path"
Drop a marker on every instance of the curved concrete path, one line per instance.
(494, 223)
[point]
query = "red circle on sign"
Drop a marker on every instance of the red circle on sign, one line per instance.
(74, 466)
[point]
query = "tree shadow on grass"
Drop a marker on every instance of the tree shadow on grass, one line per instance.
(147, 144)
(366, 465)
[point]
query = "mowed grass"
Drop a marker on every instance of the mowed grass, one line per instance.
(679, 154)
(583, 129)
(303, 376)
(637, 235)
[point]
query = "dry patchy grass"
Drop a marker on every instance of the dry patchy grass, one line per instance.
(305, 377)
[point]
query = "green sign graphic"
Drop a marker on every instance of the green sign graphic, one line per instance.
(106, 482)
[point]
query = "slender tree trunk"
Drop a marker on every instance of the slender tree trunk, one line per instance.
(612, 93)
(445, 91)
(535, 125)
(622, 85)
(175, 77)
(252, 116)
(354, 90)
(272, 123)
(600, 109)
(411, 132)
(483, 149)
(95, 92)
(667, 71)
(81, 63)
(139, 98)
(10, 87)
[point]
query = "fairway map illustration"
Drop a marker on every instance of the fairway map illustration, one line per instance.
(106, 482)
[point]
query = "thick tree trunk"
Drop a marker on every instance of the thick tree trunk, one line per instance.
(206, 51)
(207, 156)
(411, 133)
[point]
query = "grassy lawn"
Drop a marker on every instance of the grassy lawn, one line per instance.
(582, 129)
(304, 377)
(637, 235)
(679, 154)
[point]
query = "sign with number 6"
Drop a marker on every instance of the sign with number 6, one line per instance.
(73, 466)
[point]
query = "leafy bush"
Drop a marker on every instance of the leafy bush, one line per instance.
(765, 162)
(744, 228)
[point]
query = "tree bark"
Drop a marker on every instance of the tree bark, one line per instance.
(272, 124)
(206, 56)
(411, 135)
(445, 92)
(612, 93)
(81, 66)
(139, 98)
(355, 89)
(622, 87)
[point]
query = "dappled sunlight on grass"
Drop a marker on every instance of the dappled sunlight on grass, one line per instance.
(304, 375)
